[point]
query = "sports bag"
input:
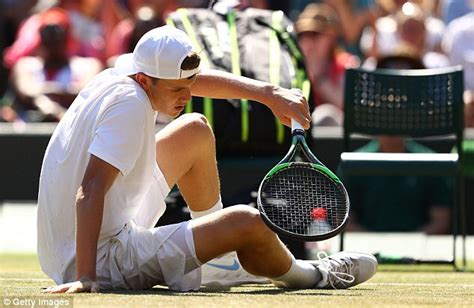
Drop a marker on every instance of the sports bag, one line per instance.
(254, 43)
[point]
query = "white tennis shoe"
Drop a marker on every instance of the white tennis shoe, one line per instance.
(343, 270)
(226, 271)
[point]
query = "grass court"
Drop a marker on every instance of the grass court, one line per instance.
(393, 286)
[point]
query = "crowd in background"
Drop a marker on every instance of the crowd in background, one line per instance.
(51, 48)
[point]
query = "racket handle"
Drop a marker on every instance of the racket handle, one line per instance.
(295, 125)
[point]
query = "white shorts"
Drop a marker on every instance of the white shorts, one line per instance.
(139, 258)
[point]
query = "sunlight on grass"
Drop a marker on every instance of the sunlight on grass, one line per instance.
(393, 285)
(10, 262)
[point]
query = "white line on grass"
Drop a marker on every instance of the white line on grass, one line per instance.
(465, 285)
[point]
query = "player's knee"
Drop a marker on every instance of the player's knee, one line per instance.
(197, 126)
(249, 223)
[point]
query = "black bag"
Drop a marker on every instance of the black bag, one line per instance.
(254, 43)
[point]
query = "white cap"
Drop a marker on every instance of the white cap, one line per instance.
(159, 53)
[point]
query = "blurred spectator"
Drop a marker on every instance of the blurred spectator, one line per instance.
(126, 34)
(258, 4)
(12, 14)
(318, 29)
(7, 114)
(352, 19)
(458, 44)
(412, 31)
(386, 37)
(412, 38)
(45, 85)
(139, 16)
(399, 203)
(87, 28)
(403, 58)
(86, 32)
(452, 9)
(27, 36)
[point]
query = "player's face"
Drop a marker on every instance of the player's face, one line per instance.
(170, 96)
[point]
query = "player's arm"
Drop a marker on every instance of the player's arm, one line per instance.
(98, 178)
(284, 103)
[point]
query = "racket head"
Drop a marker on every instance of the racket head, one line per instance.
(303, 201)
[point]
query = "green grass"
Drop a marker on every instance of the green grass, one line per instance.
(393, 285)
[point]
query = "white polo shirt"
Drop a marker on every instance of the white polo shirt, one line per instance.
(112, 119)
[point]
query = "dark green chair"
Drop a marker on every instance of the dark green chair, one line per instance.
(409, 103)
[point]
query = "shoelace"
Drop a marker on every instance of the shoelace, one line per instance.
(338, 270)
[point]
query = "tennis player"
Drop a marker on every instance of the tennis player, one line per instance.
(105, 176)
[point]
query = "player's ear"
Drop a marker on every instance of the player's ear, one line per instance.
(142, 80)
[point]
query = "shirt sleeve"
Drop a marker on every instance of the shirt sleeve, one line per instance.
(119, 135)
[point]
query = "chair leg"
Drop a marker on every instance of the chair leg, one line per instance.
(459, 223)
(341, 241)
(462, 218)
(455, 219)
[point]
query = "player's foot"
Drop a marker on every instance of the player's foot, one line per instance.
(343, 270)
(226, 271)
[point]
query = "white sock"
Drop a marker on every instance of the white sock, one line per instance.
(302, 275)
(216, 207)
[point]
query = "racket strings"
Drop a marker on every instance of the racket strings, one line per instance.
(304, 201)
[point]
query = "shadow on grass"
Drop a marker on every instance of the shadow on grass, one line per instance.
(241, 290)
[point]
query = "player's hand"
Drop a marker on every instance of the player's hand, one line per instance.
(74, 287)
(287, 104)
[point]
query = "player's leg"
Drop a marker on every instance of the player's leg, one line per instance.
(185, 151)
(260, 251)
(240, 228)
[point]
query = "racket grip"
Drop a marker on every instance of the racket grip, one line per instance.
(295, 125)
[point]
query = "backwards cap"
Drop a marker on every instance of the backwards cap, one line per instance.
(159, 53)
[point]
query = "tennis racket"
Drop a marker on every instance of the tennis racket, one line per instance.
(300, 198)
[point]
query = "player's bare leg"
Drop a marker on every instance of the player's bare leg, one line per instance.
(186, 155)
(240, 228)
(261, 253)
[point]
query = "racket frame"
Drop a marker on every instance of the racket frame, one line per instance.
(299, 145)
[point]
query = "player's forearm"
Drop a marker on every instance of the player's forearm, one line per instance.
(89, 212)
(218, 84)
(285, 104)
